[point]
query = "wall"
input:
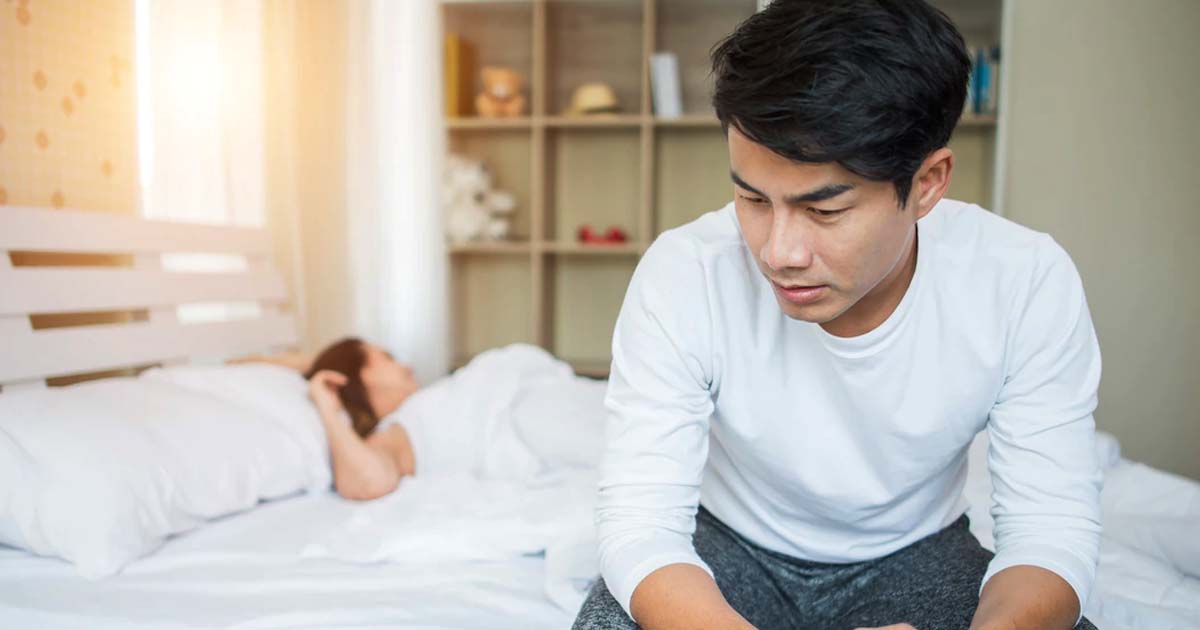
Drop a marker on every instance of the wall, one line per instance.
(1102, 155)
(67, 105)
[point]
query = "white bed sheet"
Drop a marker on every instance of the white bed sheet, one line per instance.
(1149, 573)
(257, 570)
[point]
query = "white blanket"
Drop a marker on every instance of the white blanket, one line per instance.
(514, 413)
(466, 519)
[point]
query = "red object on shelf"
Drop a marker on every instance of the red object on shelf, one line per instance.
(615, 235)
(612, 236)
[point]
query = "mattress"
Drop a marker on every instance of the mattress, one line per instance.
(461, 553)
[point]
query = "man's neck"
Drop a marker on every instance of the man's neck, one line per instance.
(879, 303)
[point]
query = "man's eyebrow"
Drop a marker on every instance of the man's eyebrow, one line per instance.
(820, 194)
(741, 182)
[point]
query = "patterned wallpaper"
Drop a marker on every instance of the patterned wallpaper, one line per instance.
(68, 117)
(68, 125)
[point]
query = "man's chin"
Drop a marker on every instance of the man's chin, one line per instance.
(818, 313)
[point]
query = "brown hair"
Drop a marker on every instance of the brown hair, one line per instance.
(347, 357)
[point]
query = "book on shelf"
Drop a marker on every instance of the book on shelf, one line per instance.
(993, 102)
(983, 88)
(458, 81)
(664, 85)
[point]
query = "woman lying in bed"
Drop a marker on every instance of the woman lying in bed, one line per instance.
(514, 412)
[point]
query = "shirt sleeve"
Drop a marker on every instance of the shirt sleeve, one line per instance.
(1041, 432)
(659, 405)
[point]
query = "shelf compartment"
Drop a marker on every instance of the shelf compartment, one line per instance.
(594, 41)
(974, 159)
(693, 174)
(585, 296)
(492, 302)
(500, 34)
(508, 155)
(690, 28)
(594, 179)
(977, 20)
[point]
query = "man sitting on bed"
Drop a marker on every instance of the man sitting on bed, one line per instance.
(797, 376)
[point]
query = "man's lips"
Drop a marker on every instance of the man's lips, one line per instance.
(789, 286)
(800, 294)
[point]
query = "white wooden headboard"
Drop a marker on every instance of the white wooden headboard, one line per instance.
(28, 356)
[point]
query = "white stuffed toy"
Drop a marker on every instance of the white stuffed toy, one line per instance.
(473, 210)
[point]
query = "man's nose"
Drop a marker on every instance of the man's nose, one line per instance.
(787, 243)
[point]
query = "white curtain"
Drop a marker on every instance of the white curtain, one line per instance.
(202, 89)
(200, 126)
(395, 142)
(200, 110)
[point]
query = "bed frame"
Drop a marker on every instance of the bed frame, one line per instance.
(28, 356)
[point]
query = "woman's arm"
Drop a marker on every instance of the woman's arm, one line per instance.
(362, 469)
(299, 361)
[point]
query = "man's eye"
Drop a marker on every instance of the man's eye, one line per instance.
(757, 200)
(826, 213)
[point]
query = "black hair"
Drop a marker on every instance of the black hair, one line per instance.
(874, 85)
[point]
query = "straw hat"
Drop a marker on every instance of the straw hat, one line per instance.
(592, 98)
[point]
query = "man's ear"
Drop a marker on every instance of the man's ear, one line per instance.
(932, 181)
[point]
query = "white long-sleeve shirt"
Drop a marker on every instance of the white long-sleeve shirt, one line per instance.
(836, 449)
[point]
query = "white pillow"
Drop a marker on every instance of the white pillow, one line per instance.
(100, 473)
(277, 394)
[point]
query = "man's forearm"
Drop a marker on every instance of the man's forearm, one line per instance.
(683, 596)
(1026, 596)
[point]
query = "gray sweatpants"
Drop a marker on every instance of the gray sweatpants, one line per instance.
(932, 584)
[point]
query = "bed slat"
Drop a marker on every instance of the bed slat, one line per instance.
(35, 290)
(75, 231)
(63, 351)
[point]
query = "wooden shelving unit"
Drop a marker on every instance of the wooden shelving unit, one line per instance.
(632, 169)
